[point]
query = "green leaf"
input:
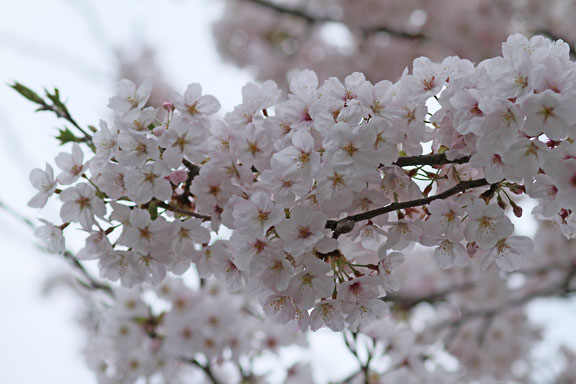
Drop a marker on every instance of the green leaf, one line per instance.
(28, 93)
(153, 209)
(66, 136)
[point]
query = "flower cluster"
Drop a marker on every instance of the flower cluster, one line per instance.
(326, 190)
(171, 332)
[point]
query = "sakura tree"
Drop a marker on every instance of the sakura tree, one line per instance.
(343, 205)
(376, 37)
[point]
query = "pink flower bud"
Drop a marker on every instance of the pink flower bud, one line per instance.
(178, 177)
(168, 106)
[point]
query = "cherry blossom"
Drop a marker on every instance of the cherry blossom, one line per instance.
(45, 183)
(298, 204)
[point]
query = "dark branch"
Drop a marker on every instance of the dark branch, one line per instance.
(206, 368)
(313, 19)
(182, 211)
(436, 159)
(338, 227)
(193, 171)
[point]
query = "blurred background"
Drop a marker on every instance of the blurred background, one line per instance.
(83, 47)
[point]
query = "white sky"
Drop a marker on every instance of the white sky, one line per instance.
(52, 43)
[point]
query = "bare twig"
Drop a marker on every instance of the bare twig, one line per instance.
(314, 19)
(206, 368)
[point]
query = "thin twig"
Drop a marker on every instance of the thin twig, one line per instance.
(182, 211)
(460, 187)
(91, 282)
(206, 368)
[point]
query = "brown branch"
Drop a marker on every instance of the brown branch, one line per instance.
(182, 211)
(193, 171)
(206, 368)
(313, 19)
(345, 225)
(435, 159)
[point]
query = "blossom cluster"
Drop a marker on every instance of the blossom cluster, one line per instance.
(166, 333)
(376, 37)
(327, 189)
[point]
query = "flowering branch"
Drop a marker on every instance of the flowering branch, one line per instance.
(346, 224)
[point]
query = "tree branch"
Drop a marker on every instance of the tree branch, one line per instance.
(562, 288)
(182, 211)
(345, 225)
(193, 171)
(206, 368)
(434, 159)
(313, 19)
(91, 282)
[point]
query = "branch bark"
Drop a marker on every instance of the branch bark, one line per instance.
(435, 159)
(206, 368)
(343, 225)
(182, 211)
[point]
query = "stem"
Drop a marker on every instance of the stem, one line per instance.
(206, 368)
(435, 159)
(91, 282)
(460, 187)
(182, 211)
